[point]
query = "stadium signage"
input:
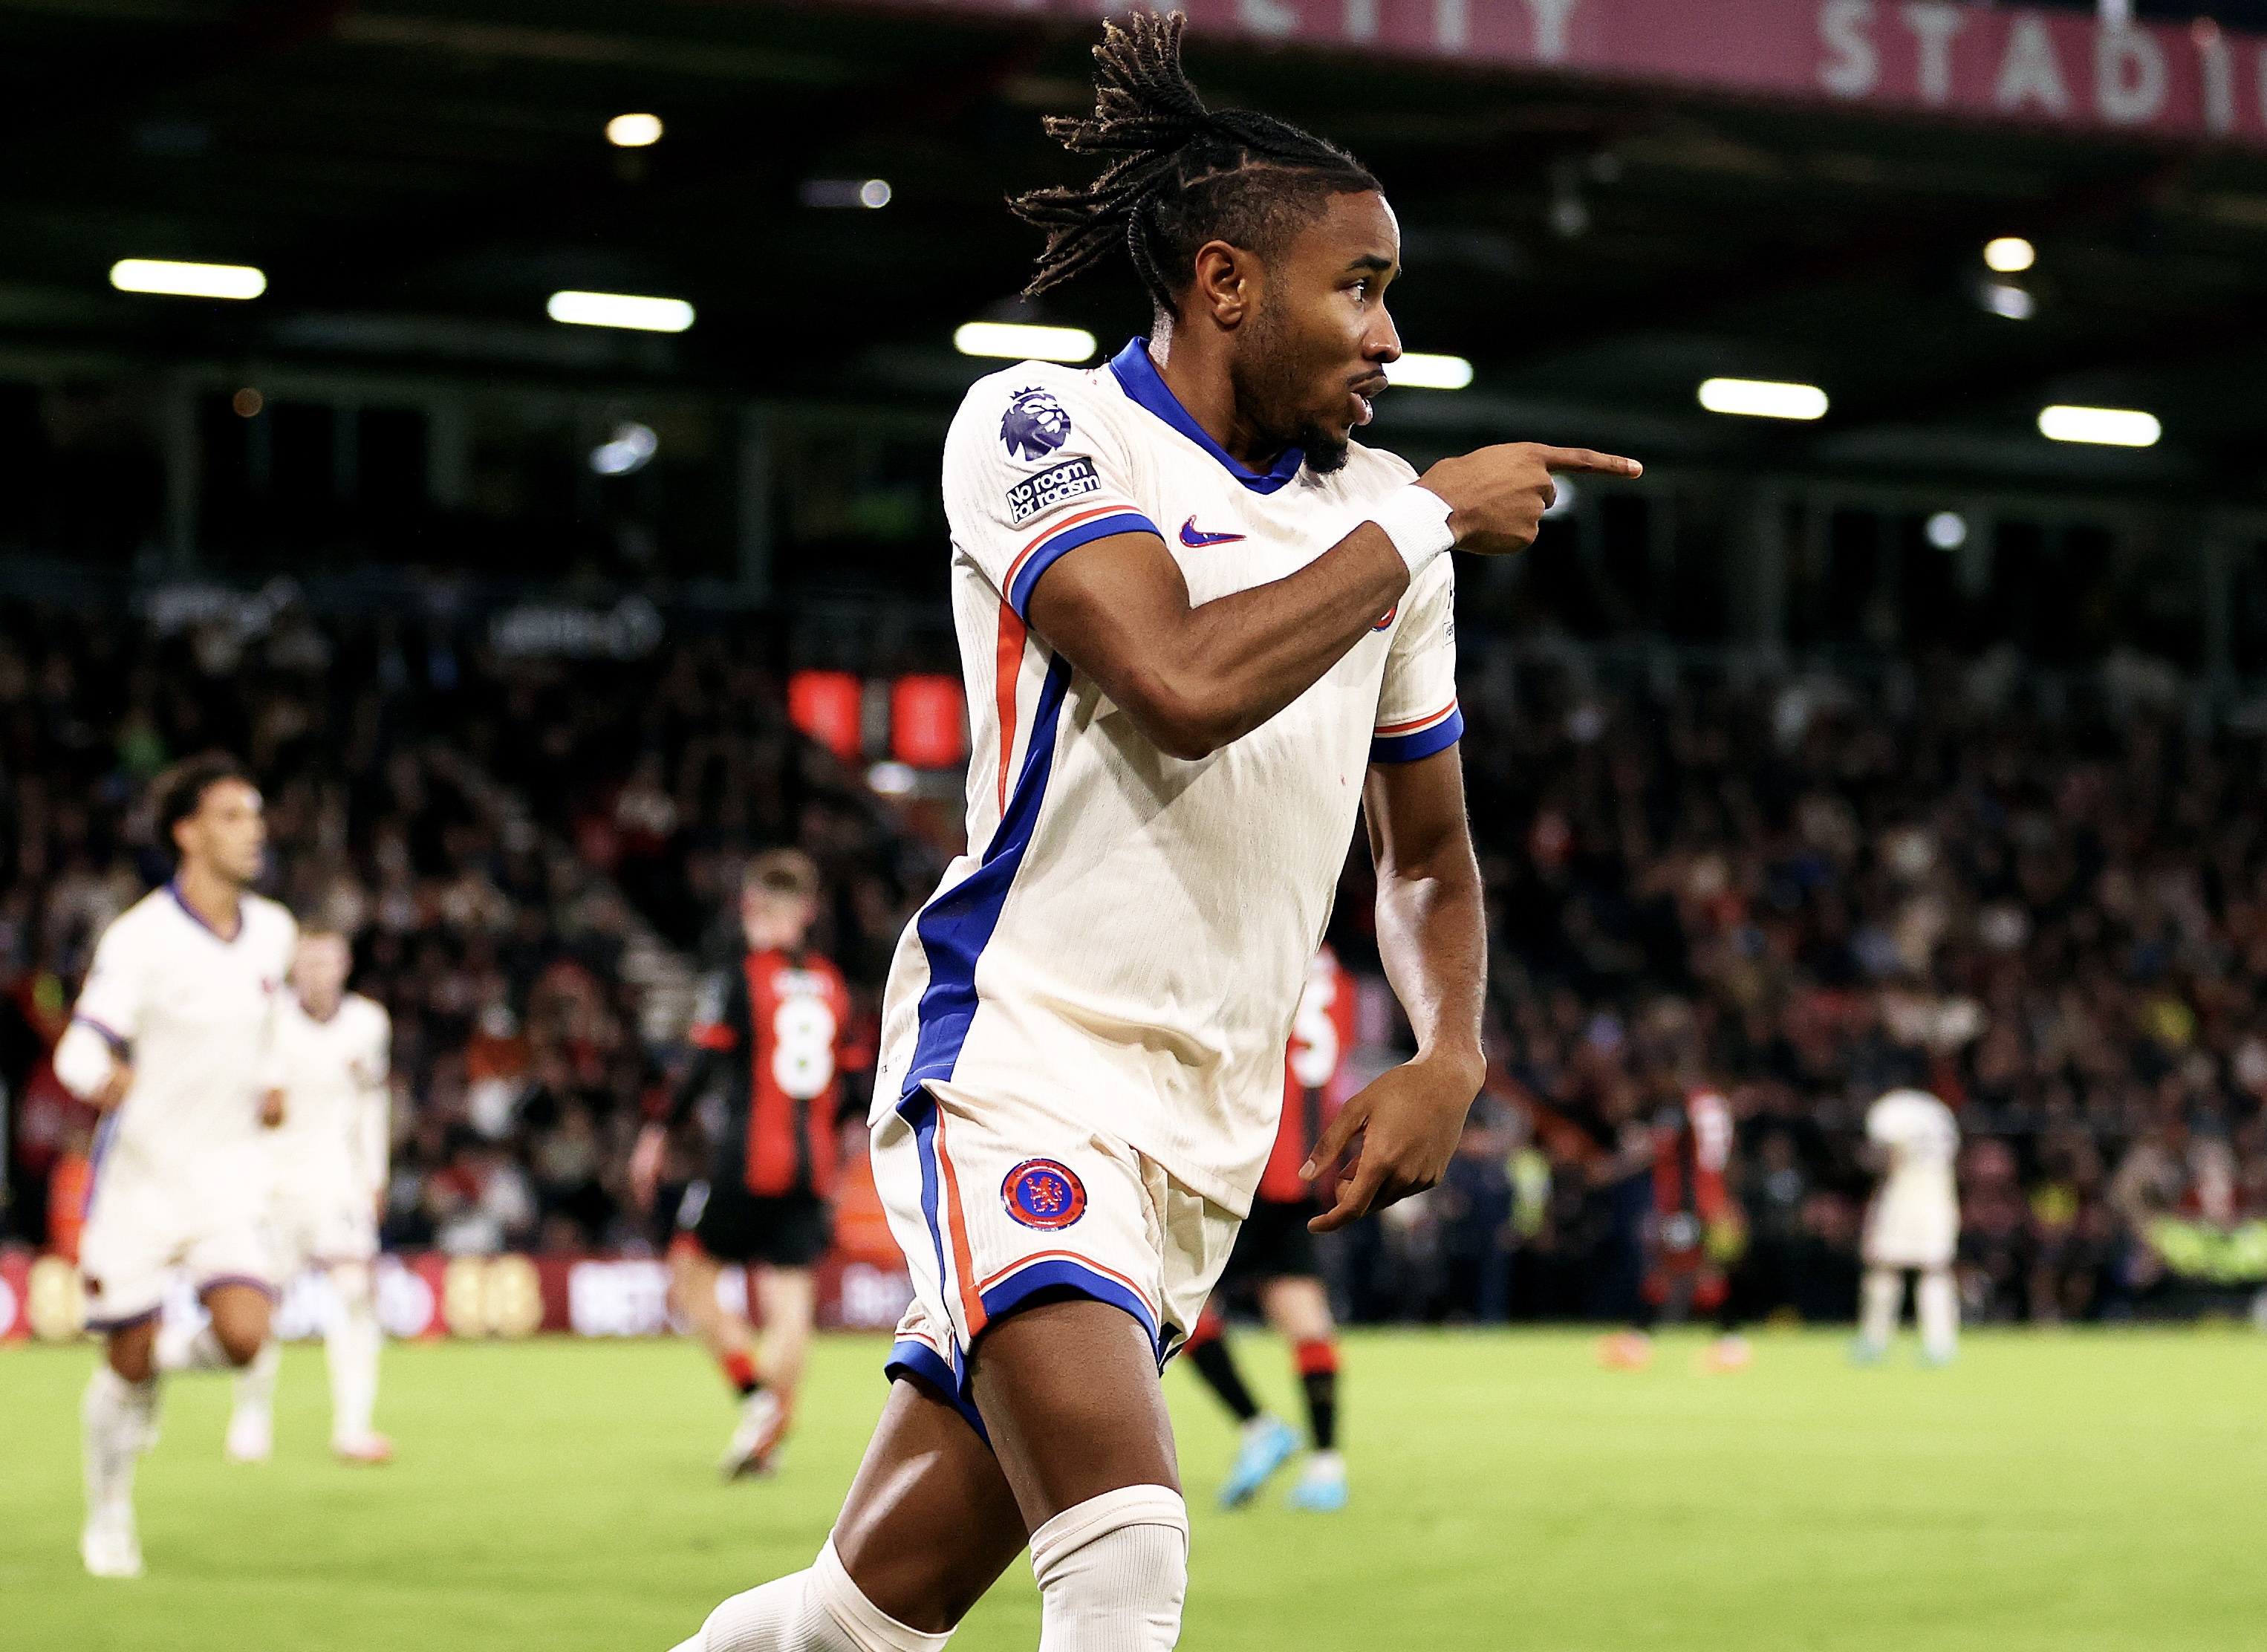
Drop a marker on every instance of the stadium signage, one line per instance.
(1943, 57)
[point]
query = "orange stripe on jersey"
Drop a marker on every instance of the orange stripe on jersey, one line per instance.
(1415, 723)
(1068, 522)
(1008, 670)
(964, 1268)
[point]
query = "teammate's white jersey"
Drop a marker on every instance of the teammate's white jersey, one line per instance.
(193, 1013)
(333, 1073)
(1126, 940)
(1915, 1218)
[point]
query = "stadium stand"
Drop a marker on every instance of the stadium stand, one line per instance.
(2044, 894)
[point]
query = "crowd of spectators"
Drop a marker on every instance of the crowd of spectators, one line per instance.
(2051, 907)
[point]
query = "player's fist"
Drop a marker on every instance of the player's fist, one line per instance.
(1497, 496)
(114, 1088)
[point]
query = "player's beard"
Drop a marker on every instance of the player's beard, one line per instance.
(1267, 380)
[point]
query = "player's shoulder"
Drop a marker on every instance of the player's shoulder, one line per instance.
(368, 1013)
(272, 917)
(154, 914)
(1027, 413)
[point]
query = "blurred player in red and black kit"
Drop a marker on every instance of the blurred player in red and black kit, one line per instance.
(1694, 1234)
(770, 1034)
(1274, 1259)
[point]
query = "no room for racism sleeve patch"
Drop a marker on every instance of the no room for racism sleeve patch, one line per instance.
(1057, 485)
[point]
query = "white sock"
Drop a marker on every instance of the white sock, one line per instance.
(351, 1343)
(1877, 1318)
(201, 1352)
(118, 1421)
(1112, 1572)
(256, 1384)
(817, 1611)
(1937, 1307)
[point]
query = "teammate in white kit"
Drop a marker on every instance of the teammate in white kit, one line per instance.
(170, 1039)
(1912, 1226)
(1201, 633)
(327, 1165)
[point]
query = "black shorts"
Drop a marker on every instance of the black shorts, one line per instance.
(1273, 1244)
(734, 1225)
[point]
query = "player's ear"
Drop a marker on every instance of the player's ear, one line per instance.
(1225, 284)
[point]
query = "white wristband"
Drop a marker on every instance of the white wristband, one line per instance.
(1416, 520)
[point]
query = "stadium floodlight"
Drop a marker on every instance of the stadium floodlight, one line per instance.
(622, 310)
(188, 280)
(632, 446)
(1762, 399)
(1429, 372)
(872, 193)
(633, 131)
(892, 778)
(2005, 298)
(2009, 254)
(1947, 529)
(1020, 340)
(2102, 427)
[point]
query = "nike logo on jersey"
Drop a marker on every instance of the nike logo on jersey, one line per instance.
(1195, 538)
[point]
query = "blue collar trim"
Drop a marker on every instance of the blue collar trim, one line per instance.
(1137, 374)
(174, 888)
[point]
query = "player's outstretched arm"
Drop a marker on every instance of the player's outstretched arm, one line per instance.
(1194, 678)
(1432, 936)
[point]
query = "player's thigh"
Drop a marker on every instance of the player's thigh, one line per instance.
(1068, 1389)
(693, 1276)
(1296, 1306)
(930, 1523)
(787, 1297)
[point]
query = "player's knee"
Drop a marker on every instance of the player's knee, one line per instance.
(1112, 1572)
(352, 1282)
(866, 1626)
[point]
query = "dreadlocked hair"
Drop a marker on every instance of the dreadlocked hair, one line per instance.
(1180, 174)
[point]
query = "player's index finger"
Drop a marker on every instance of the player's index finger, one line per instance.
(1582, 459)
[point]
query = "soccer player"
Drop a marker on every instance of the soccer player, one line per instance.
(170, 1039)
(1201, 631)
(1692, 1236)
(773, 1035)
(1912, 1226)
(1274, 1258)
(327, 1162)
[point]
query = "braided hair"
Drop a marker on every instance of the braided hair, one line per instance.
(1180, 173)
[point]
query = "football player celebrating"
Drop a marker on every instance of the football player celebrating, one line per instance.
(1201, 629)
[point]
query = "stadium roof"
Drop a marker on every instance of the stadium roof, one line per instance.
(415, 182)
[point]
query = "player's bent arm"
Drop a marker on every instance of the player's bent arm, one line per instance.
(1195, 678)
(1432, 937)
(88, 1067)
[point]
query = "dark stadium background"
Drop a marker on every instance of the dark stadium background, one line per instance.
(1753, 758)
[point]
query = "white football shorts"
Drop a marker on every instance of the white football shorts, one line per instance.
(140, 1228)
(993, 1201)
(310, 1226)
(1907, 1231)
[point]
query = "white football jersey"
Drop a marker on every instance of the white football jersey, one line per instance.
(1126, 939)
(1922, 1141)
(193, 1013)
(332, 1074)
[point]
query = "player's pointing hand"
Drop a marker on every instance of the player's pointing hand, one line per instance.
(1497, 496)
(1409, 1121)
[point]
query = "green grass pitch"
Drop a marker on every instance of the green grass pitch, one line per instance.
(2076, 1493)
